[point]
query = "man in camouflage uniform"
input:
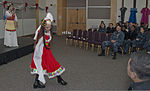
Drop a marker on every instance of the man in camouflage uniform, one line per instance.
(116, 40)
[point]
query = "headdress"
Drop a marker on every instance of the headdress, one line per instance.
(47, 20)
(9, 4)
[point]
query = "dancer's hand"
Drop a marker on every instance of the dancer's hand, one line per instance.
(34, 44)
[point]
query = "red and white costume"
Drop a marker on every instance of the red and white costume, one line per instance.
(10, 38)
(43, 61)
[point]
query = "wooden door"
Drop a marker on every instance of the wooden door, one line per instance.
(76, 19)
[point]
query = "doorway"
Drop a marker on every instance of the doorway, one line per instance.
(76, 19)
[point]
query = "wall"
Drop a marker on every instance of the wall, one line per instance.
(129, 4)
(94, 23)
(52, 9)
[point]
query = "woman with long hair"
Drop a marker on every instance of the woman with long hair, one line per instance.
(10, 38)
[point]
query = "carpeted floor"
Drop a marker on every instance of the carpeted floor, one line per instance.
(84, 71)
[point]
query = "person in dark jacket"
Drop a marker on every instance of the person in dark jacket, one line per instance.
(139, 71)
(126, 33)
(110, 28)
(102, 27)
(147, 43)
(130, 36)
(140, 39)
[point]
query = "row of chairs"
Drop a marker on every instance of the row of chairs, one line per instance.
(89, 38)
(94, 39)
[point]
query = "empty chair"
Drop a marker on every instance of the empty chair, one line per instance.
(83, 38)
(89, 39)
(102, 38)
(78, 37)
(71, 37)
(96, 40)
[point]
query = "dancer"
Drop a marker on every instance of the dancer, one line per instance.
(43, 62)
(10, 38)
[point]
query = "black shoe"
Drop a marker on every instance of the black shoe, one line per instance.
(102, 54)
(114, 56)
(134, 49)
(38, 85)
(61, 81)
(124, 53)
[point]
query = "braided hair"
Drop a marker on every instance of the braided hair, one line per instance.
(9, 4)
(42, 33)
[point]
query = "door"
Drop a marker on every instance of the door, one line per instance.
(76, 19)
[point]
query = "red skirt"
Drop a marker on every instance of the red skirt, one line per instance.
(49, 64)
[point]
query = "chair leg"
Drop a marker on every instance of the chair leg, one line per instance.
(87, 45)
(107, 50)
(84, 45)
(130, 50)
(92, 49)
(99, 49)
(75, 43)
(81, 44)
(66, 41)
(122, 51)
(71, 40)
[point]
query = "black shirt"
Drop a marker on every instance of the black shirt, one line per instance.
(145, 85)
(132, 35)
(126, 34)
(110, 30)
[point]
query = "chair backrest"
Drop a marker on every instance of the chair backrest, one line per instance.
(108, 36)
(94, 30)
(90, 29)
(102, 36)
(96, 36)
(90, 35)
(85, 34)
(80, 33)
(75, 32)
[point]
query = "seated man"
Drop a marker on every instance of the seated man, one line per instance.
(139, 71)
(140, 39)
(116, 40)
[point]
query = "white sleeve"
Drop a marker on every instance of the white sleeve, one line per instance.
(36, 32)
(7, 14)
(16, 19)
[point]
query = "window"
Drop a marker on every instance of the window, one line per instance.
(99, 9)
(76, 3)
